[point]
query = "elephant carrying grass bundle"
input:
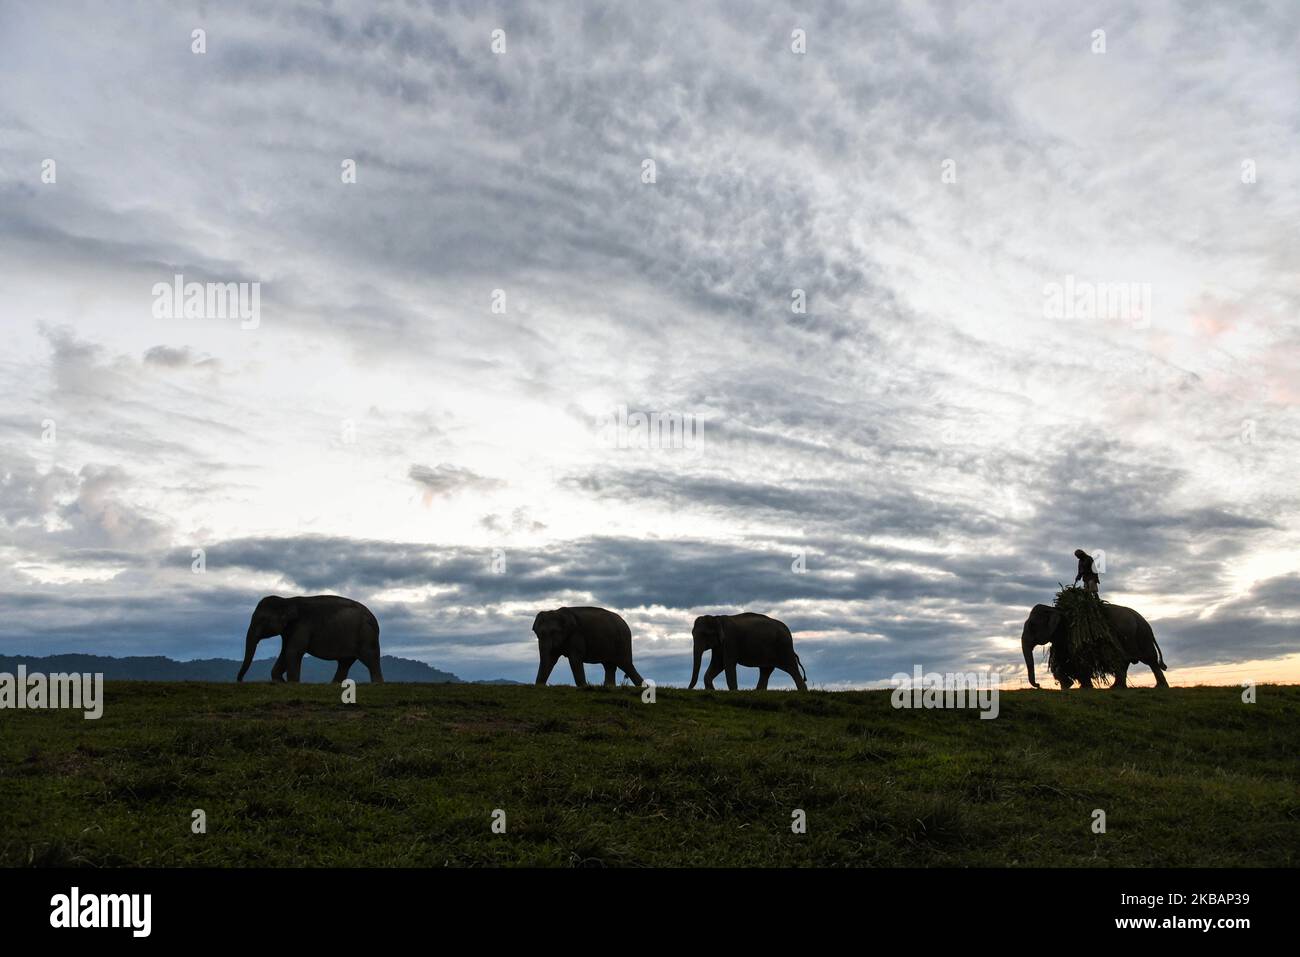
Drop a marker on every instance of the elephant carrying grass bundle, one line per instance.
(1087, 649)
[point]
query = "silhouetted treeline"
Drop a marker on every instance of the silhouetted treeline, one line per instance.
(214, 669)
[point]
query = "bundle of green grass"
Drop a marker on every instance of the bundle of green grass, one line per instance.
(1087, 649)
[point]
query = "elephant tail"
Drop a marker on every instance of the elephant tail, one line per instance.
(801, 671)
(1160, 655)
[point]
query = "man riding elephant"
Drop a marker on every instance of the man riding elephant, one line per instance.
(1091, 580)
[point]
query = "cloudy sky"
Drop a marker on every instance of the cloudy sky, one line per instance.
(425, 416)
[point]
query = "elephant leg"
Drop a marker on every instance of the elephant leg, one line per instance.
(714, 669)
(278, 669)
(297, 640)
(579, 672)
(295, 665)
(341, 671)
(611, 675)
(1121, 677)
(732, 683)
(763, 674)
(1161, 682)
(632, 673)
(793, 672)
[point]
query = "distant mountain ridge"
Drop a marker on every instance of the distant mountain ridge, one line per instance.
(141, 668)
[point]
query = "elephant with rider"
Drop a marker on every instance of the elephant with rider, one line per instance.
(1046, 624)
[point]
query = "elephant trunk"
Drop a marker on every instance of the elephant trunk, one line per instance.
(544, 669)
(695, 670)
(250, 646)
(1027, 646)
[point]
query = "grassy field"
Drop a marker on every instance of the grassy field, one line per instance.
(410, 776)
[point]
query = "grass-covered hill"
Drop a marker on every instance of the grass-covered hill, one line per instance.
(411, 776)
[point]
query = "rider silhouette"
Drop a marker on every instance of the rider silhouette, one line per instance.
(1091, 580)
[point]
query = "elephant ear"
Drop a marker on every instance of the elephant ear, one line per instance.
(1053, 622)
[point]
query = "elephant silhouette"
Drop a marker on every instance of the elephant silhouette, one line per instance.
(326, 626)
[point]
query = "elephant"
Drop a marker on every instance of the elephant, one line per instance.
(749, 639)
(1134, 633)
(327, 626)
(585, 636)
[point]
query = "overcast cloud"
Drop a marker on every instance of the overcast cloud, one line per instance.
(435, 412)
